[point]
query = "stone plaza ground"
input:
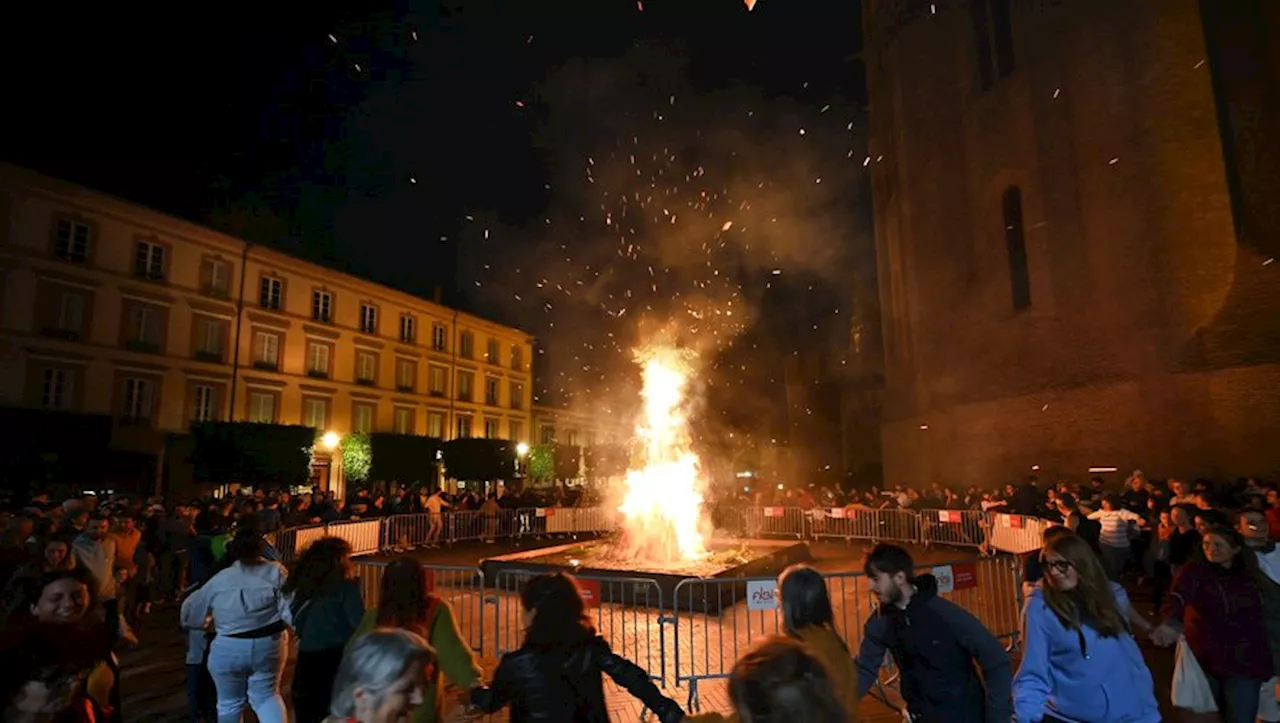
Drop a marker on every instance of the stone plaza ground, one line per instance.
(153, 675)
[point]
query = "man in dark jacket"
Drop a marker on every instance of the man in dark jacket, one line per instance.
(935, 644)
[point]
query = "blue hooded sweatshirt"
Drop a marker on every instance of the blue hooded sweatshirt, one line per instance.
(1077, 675)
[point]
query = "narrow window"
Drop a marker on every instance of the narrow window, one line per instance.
(1016, 245)
(1002, 22)
(978, 15)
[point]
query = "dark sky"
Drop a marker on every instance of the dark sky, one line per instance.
(469, 145)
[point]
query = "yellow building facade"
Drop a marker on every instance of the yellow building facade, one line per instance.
(107, 307)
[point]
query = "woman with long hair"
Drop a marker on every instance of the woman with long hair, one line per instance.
(406, 602)
(1217, 603)
(780, 680)
(555, 675)
(326, 606)
(381, 678)
(1080, 662)
(250, 617)
(807, 618)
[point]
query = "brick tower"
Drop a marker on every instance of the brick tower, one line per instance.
(1076, 204)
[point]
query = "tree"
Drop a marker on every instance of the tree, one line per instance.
(252, 453)
(542, 461)
(55, 452)
(357, 457)
(479, 459)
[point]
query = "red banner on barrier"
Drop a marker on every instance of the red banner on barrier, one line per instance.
(949, 516)
(837, 512)
(590, 591)
(1015, 521)
(964, 576)
(774, 511)
(551, 512)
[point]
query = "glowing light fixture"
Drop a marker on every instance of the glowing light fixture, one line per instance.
(522, 449)
(330, 440)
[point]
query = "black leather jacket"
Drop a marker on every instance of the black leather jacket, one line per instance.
(564, 685)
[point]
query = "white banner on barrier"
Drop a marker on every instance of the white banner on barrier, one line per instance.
(762, 594)
(837, 512)
(540, 512)
(946, 578)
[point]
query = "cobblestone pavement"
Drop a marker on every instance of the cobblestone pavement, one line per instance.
(704, 644)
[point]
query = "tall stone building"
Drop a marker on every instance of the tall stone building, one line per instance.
(1077, 208)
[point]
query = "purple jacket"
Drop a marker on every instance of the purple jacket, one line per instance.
(1221, 612)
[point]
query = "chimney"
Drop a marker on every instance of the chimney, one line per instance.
(437, 294)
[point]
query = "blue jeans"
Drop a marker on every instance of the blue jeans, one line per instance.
(248, 670)
(1237, 698)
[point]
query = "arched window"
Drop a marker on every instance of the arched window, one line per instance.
(1016, 245)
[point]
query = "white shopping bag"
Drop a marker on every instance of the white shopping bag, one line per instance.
(1190, 686)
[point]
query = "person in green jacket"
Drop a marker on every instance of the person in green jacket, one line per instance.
(404, 601)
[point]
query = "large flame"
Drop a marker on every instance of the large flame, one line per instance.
(663, 504)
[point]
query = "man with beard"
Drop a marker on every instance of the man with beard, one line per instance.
(935, 644)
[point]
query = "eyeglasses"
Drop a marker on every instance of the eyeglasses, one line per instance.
(1061, 567)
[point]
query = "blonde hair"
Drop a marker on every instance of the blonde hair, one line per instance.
(374, 663)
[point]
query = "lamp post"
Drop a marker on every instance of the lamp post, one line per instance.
(522, 451)
(330, 441)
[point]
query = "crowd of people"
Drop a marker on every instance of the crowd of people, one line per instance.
(81, 574)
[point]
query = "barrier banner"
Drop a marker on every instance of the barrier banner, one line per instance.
(837, 513)
(1014, 521)
(965, 576)
(429, 578)
(949, 516)
(762, 594)
(590, 591)
(540, 512)
(774, 511)
(956, 576)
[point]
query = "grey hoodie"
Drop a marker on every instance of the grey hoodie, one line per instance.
(99, 558)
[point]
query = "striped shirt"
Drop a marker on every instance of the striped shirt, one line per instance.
(1115, 526)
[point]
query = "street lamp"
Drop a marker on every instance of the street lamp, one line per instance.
(330, 440)
(522, 449)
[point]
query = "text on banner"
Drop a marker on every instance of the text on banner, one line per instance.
(837, 512)
(773, 512)
(762, 594)
(590, 591)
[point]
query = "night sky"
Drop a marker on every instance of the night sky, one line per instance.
(593, 172)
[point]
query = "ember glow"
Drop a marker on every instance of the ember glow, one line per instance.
(663, 504)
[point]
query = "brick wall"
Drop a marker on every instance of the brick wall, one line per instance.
(1149, 322)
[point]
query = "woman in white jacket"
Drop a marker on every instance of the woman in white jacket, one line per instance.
(250, 617)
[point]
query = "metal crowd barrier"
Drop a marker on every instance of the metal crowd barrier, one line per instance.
(717, 619)
(463, 588)
(626, 611)
(985, 531)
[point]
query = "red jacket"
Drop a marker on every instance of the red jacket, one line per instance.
(1221, 611)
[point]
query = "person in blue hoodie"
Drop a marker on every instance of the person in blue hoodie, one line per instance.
(938, 646)
(1080, 663)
